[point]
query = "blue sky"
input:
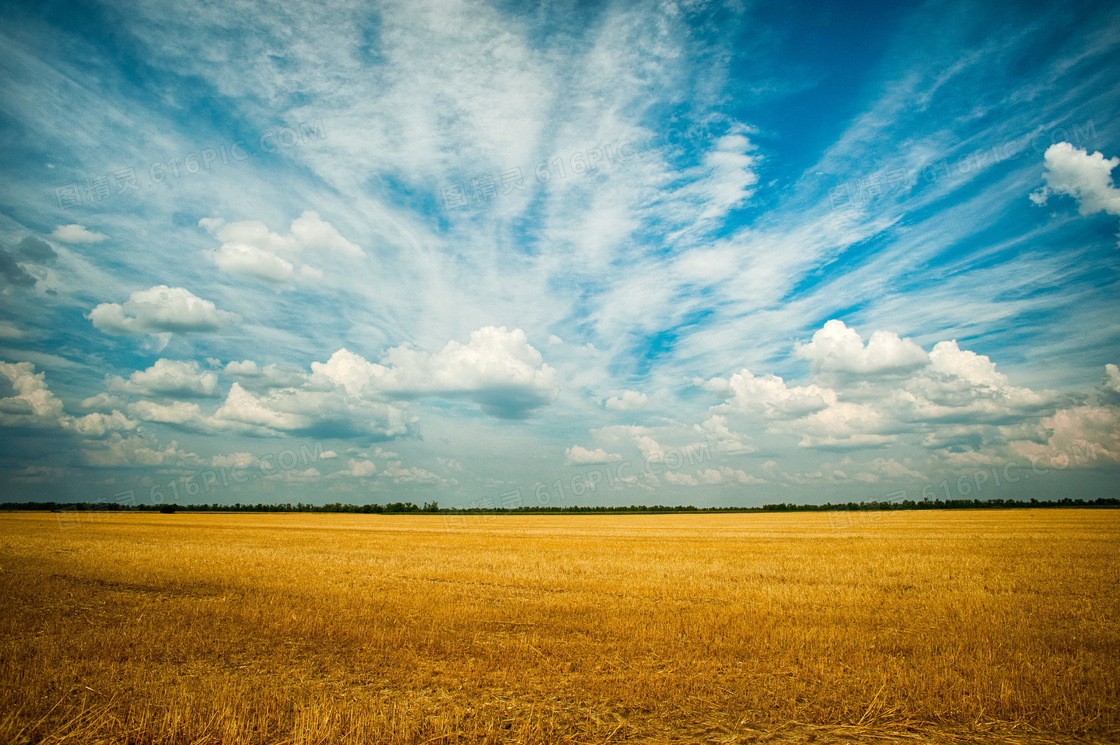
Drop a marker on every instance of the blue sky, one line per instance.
(568, 253)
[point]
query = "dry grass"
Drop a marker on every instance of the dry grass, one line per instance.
(920, 627)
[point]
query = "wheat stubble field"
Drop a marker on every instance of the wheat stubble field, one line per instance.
(985, 626)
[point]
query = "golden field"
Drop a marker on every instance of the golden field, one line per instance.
(977, 626)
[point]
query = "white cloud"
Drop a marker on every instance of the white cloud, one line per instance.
(727, 475)
(136, 452)
(97, 425)
(247, 368)
(641, 438)
(360, 468)
(680, 479)
(413, 475)
(169, 378)
(242, 406)
(324, 412)
(715, 428)
(309, 231)
(177, 412)
(271, 375)
(497, 369)
(233, 460)
(295, 476)
(581, 456)
(879, 392)
(731, 176)
(238, 258)
(1084, 436)
(1112, 378)
(837, 348)
(158, 310)
(76, 234)
(628, 401)
(249, 248)
(960, 385)
(1087, 178)
(879, 469)
(769, 395)
(102, 402)
(843, 425)
(34, 406)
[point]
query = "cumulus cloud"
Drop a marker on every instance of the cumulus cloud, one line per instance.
(270, 375)
(950, 398)
(726, 475)
(102, 402)
(246, 368)
(581, 456)
(637, 436)
(97, 425)
(1112, 377)
(169, 378)
(839, 349)
(241, 413)
(1087, 178)
(680, 479)
(881, 469)
(715, 428)
(413, 475)
(328, 413)
(628, 401)
(843, 425)
(1083, 436)
(348, 395)
(769, 395)
(250, 261)
(242, 406)
(309, 231)
(76, 234)
(31, 404)
(159, 310)
(233, 460)
(250, 249)
(963, 386)
(1110, 386)
(177, 412)
(136, 452)
(497, 369)
(295, 476)
(359, 468)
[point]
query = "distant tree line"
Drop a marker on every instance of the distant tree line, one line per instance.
(404, 508)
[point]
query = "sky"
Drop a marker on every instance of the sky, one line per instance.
(565, 253)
